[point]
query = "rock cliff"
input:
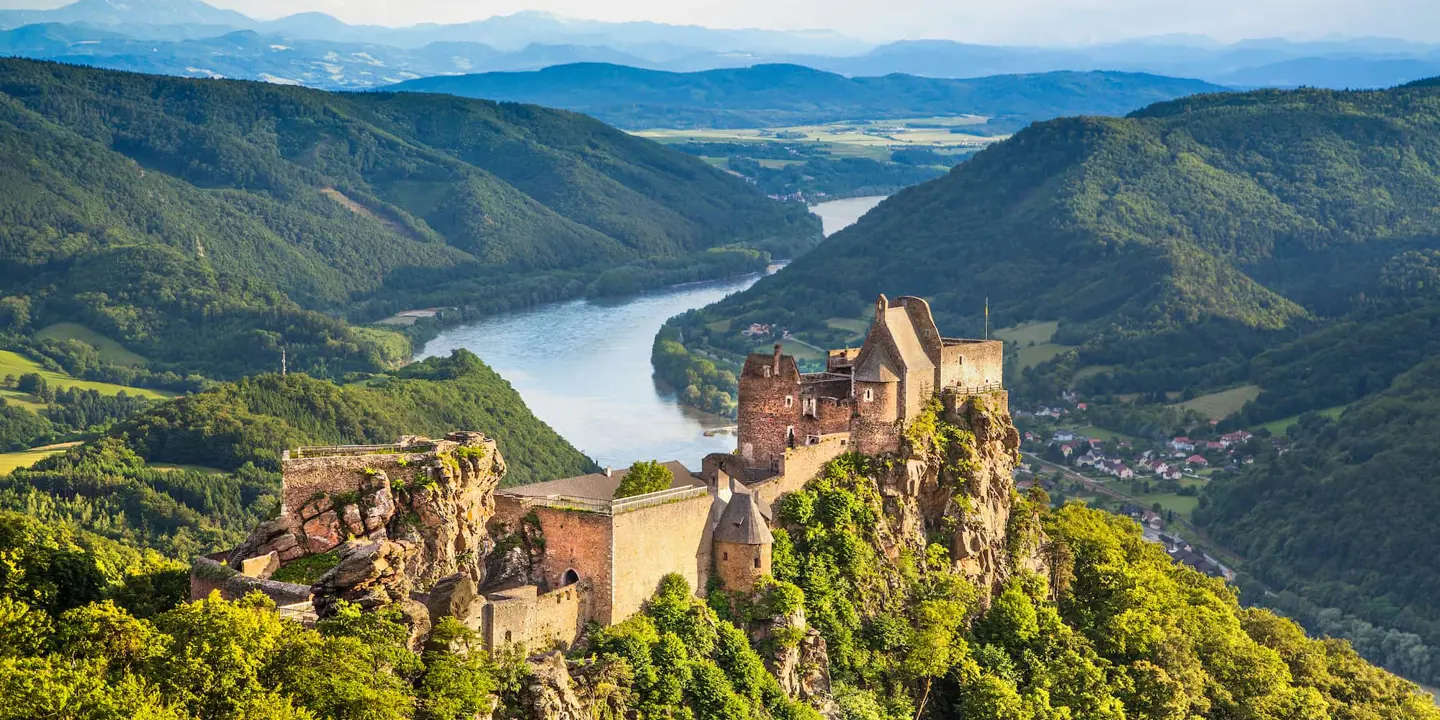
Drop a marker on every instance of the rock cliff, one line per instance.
(431, 498)
(953, 479)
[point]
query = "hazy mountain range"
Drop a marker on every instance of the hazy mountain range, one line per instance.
(188, 37)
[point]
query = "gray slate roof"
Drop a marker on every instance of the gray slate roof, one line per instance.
(743, 522)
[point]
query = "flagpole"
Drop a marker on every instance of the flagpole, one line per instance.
(987, 317)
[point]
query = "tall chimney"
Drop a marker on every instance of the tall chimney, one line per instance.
(775, 363)
(609, 472)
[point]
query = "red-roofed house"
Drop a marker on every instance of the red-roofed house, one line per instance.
(1197, 460)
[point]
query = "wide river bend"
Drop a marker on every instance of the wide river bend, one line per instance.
(584, 366)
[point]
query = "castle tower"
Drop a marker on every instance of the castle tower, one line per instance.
(742, 544)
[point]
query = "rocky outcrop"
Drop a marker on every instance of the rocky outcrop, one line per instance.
(435, 496)
(800, 660)
(549, 692)
(957, 483)
(369, 574)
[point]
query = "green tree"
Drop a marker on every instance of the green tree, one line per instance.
(645, 476)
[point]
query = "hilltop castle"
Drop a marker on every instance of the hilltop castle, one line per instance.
(534, 564)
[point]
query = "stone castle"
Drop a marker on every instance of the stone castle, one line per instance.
(424, 523)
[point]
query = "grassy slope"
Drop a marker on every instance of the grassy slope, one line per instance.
(12, 363)
(165, 213)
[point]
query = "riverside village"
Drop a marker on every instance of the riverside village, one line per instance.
(427, 525)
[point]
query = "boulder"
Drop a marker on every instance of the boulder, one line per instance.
(369, 574)
(261, 566)
(322, 532)
(353, 524)
(549, 693)
(453, 596)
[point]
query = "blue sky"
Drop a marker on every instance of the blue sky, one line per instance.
(1028, 22)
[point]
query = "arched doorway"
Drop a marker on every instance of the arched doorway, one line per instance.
(569, 578)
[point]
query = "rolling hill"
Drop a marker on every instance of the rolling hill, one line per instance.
(204, 224)
(780, 95)
(1283, 239)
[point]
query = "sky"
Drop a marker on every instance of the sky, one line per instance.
(1024, 22)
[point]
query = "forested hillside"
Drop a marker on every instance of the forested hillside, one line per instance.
(205, 224)
(1285, 241)
(782, 95)
(193, 474)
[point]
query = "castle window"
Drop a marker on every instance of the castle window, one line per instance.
(757, 563)
(507, 636)
(789, 401)
(724, 556)
(812, 439)
(767, 371)
(570, 577)
(869, 395)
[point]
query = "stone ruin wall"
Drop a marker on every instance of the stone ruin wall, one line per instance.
(654, 540)
(536, 620)
(762, 417)
(981, 363)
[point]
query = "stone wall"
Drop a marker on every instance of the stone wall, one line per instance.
(982, 362)
(799, 465)
(537, 621)
(764, 414)
(738, 567)
(652, 541)
(208, 574)
(583, 542)
(875, 427)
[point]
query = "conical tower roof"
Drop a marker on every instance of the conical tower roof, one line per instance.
(743, 523)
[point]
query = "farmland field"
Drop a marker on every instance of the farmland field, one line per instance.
(1032, 355)
(1281, 427)
(26, 458)
(1223, 404)
(110, 350)
(15, 364)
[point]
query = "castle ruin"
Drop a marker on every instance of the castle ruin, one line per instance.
(424, 523)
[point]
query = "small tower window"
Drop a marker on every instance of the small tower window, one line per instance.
(507, 636)
(724, 556)
(767, 371)
(869, 395)
(757, 563)
(789, 401)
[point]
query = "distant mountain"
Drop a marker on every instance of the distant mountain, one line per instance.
(130, 12)
(250, 55)
(1349, 72)
(779, 95)
(206, 224)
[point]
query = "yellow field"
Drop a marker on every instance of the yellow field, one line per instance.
(17, 365)
(719, 326)
(26, 458)
(1223, 404)
(110, 351)
(1035, 333)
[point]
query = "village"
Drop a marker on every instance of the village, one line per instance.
(1157, 482)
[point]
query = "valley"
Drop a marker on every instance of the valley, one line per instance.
(618, 369)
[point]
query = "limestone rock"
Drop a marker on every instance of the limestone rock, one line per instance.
(261, 566)
(322, 532)
(370, 574)
(453, 596)
(803, 668)
(549, 694)
(417, 618)
(353, 524)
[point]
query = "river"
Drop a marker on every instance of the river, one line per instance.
(584, 366)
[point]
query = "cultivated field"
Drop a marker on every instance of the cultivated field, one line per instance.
(1223, 404)
(872, 138)
(26, 458)
(110, 350)
(15, 364)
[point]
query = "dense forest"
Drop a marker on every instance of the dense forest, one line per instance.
(207, 224)
(195, 474)
(785, 95)
(1282, 239)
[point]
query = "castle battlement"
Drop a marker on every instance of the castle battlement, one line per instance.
(867, 393)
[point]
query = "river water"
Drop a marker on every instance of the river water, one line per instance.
(584, 366)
